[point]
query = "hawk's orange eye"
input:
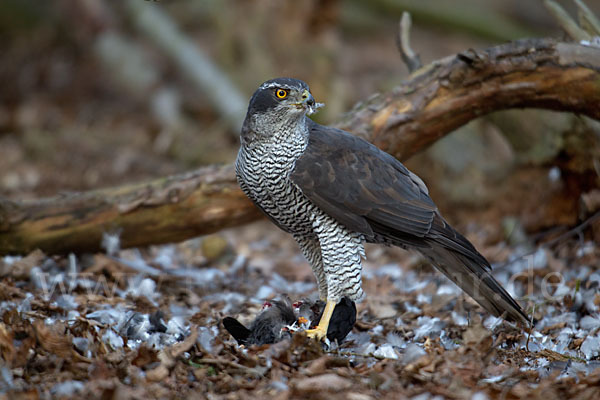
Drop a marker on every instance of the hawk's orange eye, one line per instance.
(281, 94)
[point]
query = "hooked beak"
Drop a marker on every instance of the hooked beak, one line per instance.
(308, 103)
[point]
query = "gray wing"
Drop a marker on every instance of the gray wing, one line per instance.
(356, 183)
(371, 192)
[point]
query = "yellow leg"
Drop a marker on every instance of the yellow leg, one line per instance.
(321, 330)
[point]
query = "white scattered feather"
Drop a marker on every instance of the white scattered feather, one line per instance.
(177, 326)
(237, 264)
(411, 308)
(589, 323)
(447, 342)
(283, 286)
(386, 351)
(367, 349)
(139, 264)
(422, 396)
(594, 278)
(9, 260)
(390, 270)
(594, 42)
(563, 340)
(203, 277)
(81, 344)
(142, 287)
(479, 396)
(112, 339)
(448, 290)
(429, 327)
(135, 326)
(410, 282)
(492, 322)
(588, 297)
(359, 338)
(459, 319)
(395, 340)
(6, 379)
(166, 257)
(492, 379)
(233, 301)
(265, 292)
(108, 315)
(587, 248)
(377, 330)
(279, 386)
(412, 353)
(590, 347)
(67, 388)
(25, 305)
(206, 336)
(66, 302)
(561, 291)
(111, 243)
(554, 174)
(423, 298)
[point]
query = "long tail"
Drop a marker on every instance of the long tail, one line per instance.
(476, 279)
(455, 256)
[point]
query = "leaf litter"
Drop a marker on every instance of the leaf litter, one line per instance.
(147, 323)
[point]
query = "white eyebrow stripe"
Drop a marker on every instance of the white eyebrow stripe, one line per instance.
(277, 85)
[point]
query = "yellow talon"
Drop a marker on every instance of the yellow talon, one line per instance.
(321, 330)
(318, 334)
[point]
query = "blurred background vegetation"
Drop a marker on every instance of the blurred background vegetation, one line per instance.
(97, 93)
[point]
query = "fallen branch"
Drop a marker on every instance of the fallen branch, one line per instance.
(448, 93)
(165, 210)
(435, 100)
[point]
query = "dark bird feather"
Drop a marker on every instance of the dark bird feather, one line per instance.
(269, 325)
(371, 192)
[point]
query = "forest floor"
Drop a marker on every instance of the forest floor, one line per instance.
(146, 323)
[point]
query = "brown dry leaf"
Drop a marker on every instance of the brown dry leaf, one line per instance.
(591, 201)
(554, 327)
(168, 356)
(382, 309)
(105, 264)
(145, 356)
(31, 394)
(157, 374)
(476, 335)
(7, 350)
(54, 339)
(322, 364)
(419, 363)
(326, 382)
(9, 292)
(553, 355)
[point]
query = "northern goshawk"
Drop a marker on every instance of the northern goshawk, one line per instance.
(333, 192)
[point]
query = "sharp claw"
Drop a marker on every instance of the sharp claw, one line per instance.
(318, 334)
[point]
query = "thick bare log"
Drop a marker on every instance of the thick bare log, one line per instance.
(435, 100)
(162, 211)
(448, 93)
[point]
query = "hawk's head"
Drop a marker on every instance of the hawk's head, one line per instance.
(282, 96)
(276, 108)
